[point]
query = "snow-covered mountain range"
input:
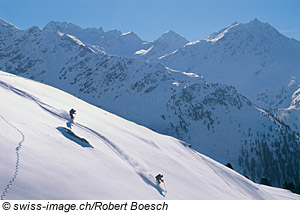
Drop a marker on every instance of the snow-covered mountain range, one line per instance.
(261, 63)
(252, 57)
(215, 118)
(45, 155)
(114, 42)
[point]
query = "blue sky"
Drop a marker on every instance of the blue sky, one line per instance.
(193, 19)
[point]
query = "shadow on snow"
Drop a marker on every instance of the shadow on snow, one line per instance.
(73, 137)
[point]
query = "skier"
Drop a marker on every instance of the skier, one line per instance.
(159, 178)
(72, 113)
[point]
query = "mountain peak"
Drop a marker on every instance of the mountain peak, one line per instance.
(171, 34)
(166, 43)
(59, 26)
(171, 37)
(113, 33)
(256, 21)
(254, 28)
(132, 36)
(33, 29)
(68, 27)
(128, 33)
(7, 25)
(262, 29)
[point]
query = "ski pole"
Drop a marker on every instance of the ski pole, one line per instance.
(165, 187)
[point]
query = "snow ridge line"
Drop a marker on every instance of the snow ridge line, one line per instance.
(8, 75)
(217, 173)
(13, 179)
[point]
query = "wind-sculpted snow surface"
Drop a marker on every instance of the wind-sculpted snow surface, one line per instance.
(214, 118)
(121, 165)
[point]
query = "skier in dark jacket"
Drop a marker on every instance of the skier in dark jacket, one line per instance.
(72, 113)
(159, 178)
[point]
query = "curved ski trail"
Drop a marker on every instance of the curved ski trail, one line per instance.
(13, 179)
(143, 172)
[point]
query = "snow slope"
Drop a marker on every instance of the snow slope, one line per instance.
(121, 164)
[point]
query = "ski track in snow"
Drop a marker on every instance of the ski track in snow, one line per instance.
(13, 179)
(141, 171)
(31, 97)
